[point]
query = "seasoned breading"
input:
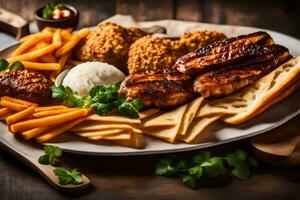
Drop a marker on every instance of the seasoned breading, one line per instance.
(109, 43)
(154, 53)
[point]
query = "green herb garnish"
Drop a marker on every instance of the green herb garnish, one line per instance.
(4, 65)
(204, 165)
(51, 154)
(67, 177)
(48, 9)
(64, 176)
(103, 99)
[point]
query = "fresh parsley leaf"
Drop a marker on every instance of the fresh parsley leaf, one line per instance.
(214, 167)
(58, 93)
(47, 11)
(51, 154)
(67, 177)
(16, 65)
(3, 65)
(196, 171)
(164, 168)
(203, 165)
(189, 180)
(131, 108)
(102, 108)
(201, 157)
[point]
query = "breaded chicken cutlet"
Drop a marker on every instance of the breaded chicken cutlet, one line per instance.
(154, 53)
(109, 43)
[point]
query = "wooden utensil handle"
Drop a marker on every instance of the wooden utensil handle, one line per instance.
(13, 24)
(46, 171)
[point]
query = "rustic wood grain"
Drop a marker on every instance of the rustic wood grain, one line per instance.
(146, 9)
(132, 177)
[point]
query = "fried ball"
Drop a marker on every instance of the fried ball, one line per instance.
(151, 53)
(109, 43)
(194, 40)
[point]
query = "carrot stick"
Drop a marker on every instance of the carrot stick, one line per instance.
(18, 101)
(19, 115)
(56, 132)
(38, 109)
(4, 111)
(53, 120)
(27, 135)
(53, 112)
(12, 105)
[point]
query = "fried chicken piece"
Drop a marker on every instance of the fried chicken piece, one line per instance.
(109, 43)
(241, 73)
(26, 84)
(159, 88)
(155, 53)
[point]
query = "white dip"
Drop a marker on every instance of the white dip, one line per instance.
(83, 77)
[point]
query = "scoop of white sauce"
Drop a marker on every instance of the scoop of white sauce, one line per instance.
(83, 77)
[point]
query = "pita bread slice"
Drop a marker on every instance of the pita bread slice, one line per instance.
(110, 118)
(189, 115)
(148, 113)
(135, 141)
(168, 133)
(96, 126)
(193, 134)
(121, 136)
(99, 133)
(274, 84)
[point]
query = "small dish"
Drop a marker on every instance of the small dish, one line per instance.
(69, 22)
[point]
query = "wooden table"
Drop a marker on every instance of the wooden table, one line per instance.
(133, 177)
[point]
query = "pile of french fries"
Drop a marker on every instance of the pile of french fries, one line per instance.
(49, 50)
(41, 123)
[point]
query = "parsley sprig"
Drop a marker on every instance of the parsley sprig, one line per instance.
(4, 65)
(51, 154)
(103, 99)
(64, 176)
(203, 164)
(49, 8)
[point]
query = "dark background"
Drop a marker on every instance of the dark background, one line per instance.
(132, 177)
(279, 15)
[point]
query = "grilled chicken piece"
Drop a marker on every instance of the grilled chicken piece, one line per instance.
(223, 53)
(27, 85)
(160, 88)
(235, 77)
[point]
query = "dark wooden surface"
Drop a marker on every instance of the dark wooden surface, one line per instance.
(132, 177)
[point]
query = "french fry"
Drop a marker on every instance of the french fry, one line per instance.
(57, 36)
(53, 112)
(72, 42)
(55, 132)
(66, 34)
(31, 42)
(49, 58)
(35, 54)
(48, 29)
(41, 66)
(12, 105)
(53, 120)
(74, 62)
(19, 101)
(38, 46)
(64, 58)
(27, 135)
(20, 115)
(4, 111)
(39, 109)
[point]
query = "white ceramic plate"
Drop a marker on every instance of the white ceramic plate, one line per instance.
(219, 133)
